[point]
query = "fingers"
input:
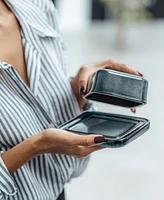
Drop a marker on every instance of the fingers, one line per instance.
(140, 74)
(63, 142)
(86, 73)
(85, 79)
(82, 146)
(89, 85)
(88, 141)
(133, 110)
(114, 65)
(82, 151)
(70, 139)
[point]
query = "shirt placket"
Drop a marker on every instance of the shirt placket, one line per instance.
(21, 89)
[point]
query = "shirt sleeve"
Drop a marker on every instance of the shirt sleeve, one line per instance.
(81, 166)
(7, 185)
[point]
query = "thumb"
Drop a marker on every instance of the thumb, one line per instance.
(89, 140)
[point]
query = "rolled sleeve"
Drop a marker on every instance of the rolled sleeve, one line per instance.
(7, 185)
(81, 166)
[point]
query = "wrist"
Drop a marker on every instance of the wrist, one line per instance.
(20, 154)
(42, 143)
(37, 143)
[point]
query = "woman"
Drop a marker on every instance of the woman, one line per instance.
(37, 159)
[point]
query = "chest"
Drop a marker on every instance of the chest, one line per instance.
(11, 47)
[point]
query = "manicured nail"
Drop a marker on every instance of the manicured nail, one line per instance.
(140, 74)
(133, 110)
(81, 90)
(86, 92)
(99, 140)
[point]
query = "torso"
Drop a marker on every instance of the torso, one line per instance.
(21, 116)
(11, 47)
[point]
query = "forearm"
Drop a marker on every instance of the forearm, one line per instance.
(21, 153)
(53, 141)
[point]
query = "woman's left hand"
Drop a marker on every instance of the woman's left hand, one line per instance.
(82, 82)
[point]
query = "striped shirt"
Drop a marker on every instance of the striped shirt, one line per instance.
(48, 102)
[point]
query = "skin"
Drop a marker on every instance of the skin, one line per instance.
(11, 42)
(51, 140)
(82, 82)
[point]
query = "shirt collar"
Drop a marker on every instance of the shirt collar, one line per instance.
(4, 65)
(32, 19)
(34, 15)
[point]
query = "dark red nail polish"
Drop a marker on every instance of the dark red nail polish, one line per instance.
(140, 74)
(81, 90)
(134, 110)
(85, 92)
(99, 139)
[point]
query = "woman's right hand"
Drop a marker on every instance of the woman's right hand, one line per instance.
(53, 141)
(58, 141)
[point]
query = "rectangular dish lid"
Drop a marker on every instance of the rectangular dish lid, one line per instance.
(118, 88)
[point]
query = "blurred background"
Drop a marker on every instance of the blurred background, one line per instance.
(132, 32)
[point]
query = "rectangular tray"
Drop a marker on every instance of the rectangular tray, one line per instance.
(119, 130)
(118, 88)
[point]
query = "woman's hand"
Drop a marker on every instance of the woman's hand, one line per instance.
(58, 141)
(53, 141)
(82, 82)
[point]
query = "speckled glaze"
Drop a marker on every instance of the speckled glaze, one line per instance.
(115, 88)
(119, 130)
(118, 88)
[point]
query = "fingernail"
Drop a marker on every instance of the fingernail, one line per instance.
(134, 110)
(81, 90)
(99, 139)
(140, 74)
(86, 92)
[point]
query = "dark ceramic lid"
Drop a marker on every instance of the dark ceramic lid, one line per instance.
(118, 88)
